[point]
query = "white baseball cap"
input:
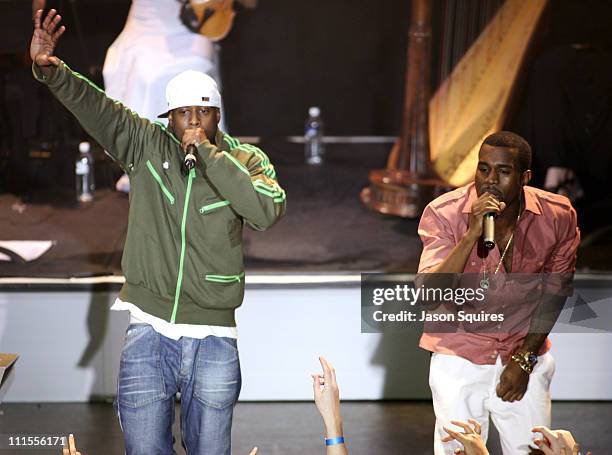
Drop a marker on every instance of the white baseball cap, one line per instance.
(191, 88)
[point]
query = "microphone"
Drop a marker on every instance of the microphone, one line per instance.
(190, 157)
(489, 230)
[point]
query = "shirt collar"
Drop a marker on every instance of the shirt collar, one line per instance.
(531, 201)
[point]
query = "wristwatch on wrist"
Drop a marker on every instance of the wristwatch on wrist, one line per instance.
(526, 360)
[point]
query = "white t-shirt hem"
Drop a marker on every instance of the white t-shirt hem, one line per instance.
(173, 331)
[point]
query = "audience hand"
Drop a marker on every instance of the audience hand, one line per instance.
(471, 440)
(254, 451)
(327, 398)
(70, 447)
(556, 442)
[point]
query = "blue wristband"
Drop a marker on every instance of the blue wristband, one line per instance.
(334, 441)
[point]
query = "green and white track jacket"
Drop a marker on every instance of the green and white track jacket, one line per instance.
(183, 259)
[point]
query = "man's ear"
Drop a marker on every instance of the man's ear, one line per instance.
(170, 119)
(526, 177)
(217, 115)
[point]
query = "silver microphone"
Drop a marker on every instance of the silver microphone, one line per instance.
(190, 157)
(489, 230)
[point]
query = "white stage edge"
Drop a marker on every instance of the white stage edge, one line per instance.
(70, 342)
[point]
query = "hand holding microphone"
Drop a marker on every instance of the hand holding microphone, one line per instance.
(482, 218)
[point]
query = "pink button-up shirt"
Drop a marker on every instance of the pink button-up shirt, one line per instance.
(546, 239)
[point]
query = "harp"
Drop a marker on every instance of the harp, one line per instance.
(483, 47)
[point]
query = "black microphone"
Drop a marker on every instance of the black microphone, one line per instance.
(190, 157)
(489, 230)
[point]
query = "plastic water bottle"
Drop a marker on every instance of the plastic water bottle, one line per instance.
(313, 137)
(84, 174)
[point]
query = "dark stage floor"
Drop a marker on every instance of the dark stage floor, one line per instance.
(326, 228)
(388, 428)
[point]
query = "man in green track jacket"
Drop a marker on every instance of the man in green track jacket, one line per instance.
(183, 259)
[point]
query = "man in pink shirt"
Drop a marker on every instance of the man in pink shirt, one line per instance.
(486, 373)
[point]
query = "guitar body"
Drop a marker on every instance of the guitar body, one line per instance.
(216, 17)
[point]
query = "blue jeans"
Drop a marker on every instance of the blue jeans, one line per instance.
(153, 369)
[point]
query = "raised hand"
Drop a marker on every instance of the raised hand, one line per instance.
(70, 447)
(327, 398)
(556, 442)
(45, 38)
(470, 438)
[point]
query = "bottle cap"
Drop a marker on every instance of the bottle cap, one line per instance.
(84, 147)
(314, 111)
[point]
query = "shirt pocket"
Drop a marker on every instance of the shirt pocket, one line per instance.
(536, 262)
(222, 290)
(224, 279)
(213, 205)
(217, 214)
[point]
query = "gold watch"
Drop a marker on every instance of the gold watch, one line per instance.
(526, 360)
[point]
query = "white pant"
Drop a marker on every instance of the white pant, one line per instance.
(461, 390)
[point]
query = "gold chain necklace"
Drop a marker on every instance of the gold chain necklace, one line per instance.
(484, 283)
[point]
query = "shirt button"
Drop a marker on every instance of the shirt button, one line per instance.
(498, 326)
(473, 263)
(493, 356)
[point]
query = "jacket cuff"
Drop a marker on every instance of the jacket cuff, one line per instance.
(49, 80)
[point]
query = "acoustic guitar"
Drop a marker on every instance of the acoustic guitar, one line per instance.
(211, 18)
